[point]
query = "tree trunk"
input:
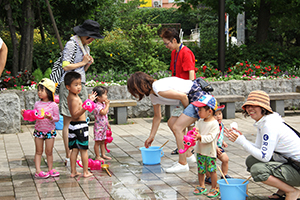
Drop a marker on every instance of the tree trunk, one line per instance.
(40, 21)
(27, 28)
(14, 40)
(263, 21)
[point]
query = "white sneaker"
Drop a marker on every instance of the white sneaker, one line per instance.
(178, 168)
(67, 162)
(191, 159)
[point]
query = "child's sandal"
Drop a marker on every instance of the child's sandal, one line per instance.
(215, 193)
(201, 190)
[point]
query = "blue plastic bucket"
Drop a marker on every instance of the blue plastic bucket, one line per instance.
(151, 155)
(235, 190)
(60, 124)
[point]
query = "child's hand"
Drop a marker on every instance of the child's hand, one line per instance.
(92, 96)
(108, 125)
(197, 135)
(22, 112)
(107, 102)
(48, 116)
(224, 144)
(219, 151)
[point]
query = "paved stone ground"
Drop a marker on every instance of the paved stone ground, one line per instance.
(130, 178)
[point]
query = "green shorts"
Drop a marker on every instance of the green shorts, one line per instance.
(63, 95)
(206, 164)
(261, 171)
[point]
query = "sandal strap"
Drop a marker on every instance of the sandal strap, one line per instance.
(200, 189)
(213, 190)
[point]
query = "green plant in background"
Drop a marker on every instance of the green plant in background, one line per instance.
(8, 81)
(38, 75)
(47, 73)
(209, 69)
(128, 51)
(144, 49)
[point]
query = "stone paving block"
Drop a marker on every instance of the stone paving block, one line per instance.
(130, 178)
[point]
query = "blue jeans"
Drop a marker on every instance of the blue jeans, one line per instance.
(191, 111)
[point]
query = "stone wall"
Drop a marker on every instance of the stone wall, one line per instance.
(12, 101)
(10, 120)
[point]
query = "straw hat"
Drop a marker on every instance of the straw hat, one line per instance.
(258, 98)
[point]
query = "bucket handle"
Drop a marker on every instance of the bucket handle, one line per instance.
(162, 153)
(244, 193)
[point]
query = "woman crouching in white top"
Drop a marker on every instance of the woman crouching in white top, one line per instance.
(168, 91)
(275, 141)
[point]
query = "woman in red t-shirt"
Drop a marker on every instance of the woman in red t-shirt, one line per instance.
(182, 58)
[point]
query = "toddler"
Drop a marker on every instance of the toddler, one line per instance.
(101, 122)
(45, 128)
(78, 129)
(221, 154)
(207, 135)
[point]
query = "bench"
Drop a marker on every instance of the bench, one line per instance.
(120, 109)
(277, 100)
(227, 100)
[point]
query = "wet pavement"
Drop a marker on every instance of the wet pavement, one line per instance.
(130, 178)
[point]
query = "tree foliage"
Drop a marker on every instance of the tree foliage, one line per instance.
(276, 20)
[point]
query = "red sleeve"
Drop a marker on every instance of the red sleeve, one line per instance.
(188, 60)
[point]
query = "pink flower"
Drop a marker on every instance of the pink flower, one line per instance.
(22, 86)
(15, 85)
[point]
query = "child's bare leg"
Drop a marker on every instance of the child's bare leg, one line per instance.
(85, 162)
(97, 151)
(224, 159)
(39, 146)
(73, 159)
(214, 179)
(49, 143)
(102, 147)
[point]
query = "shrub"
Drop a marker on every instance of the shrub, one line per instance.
(47, 73)
(38, 75)
(135, 50)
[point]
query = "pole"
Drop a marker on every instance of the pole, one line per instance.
(54, 26)
(221, 43)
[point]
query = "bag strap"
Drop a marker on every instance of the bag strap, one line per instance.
(287, 158)
(292, 129)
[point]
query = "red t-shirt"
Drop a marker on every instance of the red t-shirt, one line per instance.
(185, 62)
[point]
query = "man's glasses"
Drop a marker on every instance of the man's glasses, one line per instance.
(166, 44)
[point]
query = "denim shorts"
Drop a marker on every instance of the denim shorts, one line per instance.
(191, 111)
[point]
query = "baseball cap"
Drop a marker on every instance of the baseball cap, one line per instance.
(206, 100)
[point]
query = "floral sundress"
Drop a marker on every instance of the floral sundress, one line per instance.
(101, 122)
